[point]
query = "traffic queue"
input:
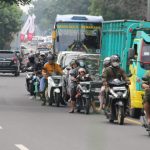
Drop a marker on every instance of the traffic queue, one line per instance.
(75, 86)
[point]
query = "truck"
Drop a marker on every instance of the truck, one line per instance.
(130, 39)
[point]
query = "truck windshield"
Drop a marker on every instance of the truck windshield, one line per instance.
(78, 37)
(145, 56)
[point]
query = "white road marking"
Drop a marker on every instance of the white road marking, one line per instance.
(21, 147)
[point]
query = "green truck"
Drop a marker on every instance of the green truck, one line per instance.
(130, 39)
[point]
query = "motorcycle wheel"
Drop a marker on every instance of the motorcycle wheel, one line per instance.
(120, 115)
(87, 106)
(57, 99)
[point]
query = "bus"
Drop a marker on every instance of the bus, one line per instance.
(77, 33)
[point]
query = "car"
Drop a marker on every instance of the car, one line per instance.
(42, 50)
(9, 62)
(92, 63)
(64, 58)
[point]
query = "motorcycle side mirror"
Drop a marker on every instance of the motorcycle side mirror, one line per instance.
(129, 75)
(144, 79)
(131, 53)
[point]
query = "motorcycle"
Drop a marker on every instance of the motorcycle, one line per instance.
(84, 100)
(118, 99)
(29, 81)
(54, 90)
(143, 113)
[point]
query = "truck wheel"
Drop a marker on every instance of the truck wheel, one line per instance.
(135, 113)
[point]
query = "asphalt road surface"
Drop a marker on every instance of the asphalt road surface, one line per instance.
(26, 125)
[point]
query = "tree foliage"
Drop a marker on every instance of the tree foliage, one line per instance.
(46, 10)
(10, 23)
(119, 9)
(22, 2)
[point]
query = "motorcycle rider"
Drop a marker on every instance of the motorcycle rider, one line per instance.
(111, 73)
(49, 68)
(31, 63)
(83, 76)
(146, 87)
(106, 63)
(40, 64)
(73, 83)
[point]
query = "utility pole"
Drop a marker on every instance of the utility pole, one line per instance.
(148, 10)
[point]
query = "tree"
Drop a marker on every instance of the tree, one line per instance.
(118, 9)
(46, 10)
(22, 2)
(10, 23)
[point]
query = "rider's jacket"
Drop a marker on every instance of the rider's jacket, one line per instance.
(111, 73)
(51, 68)
(147, 91)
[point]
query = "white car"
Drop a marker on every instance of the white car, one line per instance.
(64, 58)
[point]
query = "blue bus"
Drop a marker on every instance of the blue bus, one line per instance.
(77, 33)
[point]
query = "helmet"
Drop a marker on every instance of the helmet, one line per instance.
(50, 57)
(81, 64)
(42, 54)
(81, 70)
(106, 62)
(31, 58)
(73, 62)
(115, 60)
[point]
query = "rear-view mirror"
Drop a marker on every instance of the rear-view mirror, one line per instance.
(131, 53)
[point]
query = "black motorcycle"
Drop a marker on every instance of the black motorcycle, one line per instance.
(118, 99)
(84, 100)
(29, 80)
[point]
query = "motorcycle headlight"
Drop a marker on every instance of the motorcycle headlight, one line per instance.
(113, 93)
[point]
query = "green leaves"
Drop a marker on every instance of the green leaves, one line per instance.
(10, 23)
(46, 10)
(21, 2)
(119, 9)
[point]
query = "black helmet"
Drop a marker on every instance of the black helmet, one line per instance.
(51, 57)
(31, 58)
(115, 60)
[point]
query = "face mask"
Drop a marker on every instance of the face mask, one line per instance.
(115, 64)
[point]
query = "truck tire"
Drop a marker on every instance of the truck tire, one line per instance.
(135, 113)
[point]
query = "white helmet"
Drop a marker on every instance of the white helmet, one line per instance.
(106, 62)
(81, 70)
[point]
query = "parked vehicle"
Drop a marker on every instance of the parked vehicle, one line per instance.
(118, 98)
(131, 41)
(55, 84)
(9, 62)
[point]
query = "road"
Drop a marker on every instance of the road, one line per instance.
(26, 125)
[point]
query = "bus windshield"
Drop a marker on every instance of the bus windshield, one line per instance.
(78, 37)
